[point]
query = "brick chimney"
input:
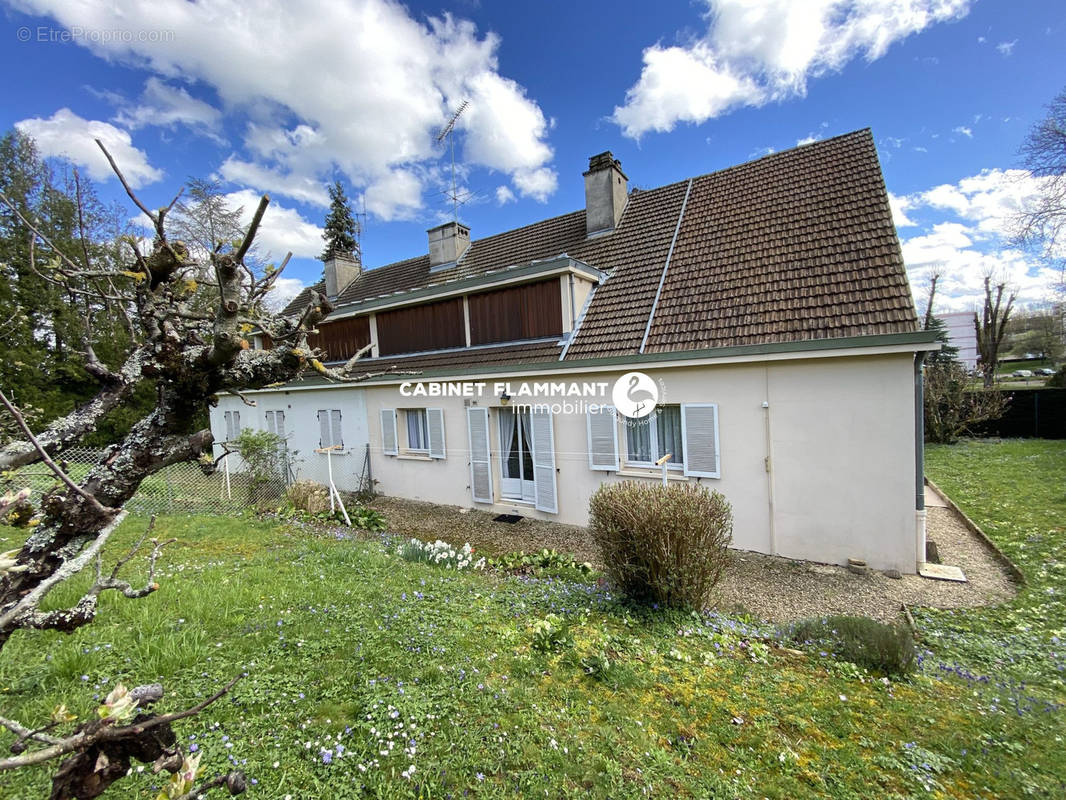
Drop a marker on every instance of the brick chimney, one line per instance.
(606, 187)
(341, 271)
(447, 243)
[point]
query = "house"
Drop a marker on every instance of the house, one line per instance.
(766, 305)
(962, 333)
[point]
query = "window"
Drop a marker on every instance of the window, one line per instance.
(417, 432)
(275, 422)
(233, 425)
(329, 426)
(651, 438)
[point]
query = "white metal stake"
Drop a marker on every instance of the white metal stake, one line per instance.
(229, 492)
(329, 471)
(662, 463)
(334, 495)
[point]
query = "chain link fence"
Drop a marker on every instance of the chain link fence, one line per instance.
(179, 488)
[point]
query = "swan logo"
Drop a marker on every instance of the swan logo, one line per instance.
(635, 395)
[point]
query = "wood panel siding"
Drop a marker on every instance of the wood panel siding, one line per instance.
(415, 329)
(531, 311)
(342, 338)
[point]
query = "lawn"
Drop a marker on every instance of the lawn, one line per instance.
(1015, 490)
(370, 676)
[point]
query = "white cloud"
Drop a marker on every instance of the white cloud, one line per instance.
(760, 51)
(68, 135)
(964, 131)
(284, 290)
(395, 195)
(1006, 48)
(814, 136)
(360, 85)
(297, 187)
(536, 183)
(166, 106)
(282, 229)
(972, 238)
(504, 195)
(899, 207)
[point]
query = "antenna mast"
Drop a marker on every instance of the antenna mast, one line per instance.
(447, 133)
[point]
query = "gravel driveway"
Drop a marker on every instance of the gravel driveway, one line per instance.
(768, 587)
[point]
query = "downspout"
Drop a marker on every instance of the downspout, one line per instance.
(919, 461)
(573, 310)
(769, 461)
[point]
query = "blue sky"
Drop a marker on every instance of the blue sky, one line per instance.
(284, 96)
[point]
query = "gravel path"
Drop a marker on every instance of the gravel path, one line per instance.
(767, 587)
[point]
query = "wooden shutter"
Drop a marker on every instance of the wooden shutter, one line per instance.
(699, 431)
(275, 421)
(435, 428)
(603, 439)
(544, 461)
(388, 431)
(323, 429)
(477, 420)
(335, 428)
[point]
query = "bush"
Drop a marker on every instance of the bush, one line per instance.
(662, 544)
(1058, 380)
(264, 456)
(886, 648)
(308, 496)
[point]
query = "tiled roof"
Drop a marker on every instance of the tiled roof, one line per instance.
(795, 246)
(799, 245)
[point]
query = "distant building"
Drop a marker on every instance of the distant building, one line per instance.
(963, 335)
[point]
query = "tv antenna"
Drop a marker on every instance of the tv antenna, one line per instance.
(447, 132)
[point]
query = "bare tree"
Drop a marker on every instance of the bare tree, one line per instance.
(991, 326)
(190, 355)
(1043, 225)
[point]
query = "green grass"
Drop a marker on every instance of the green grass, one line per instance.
(347, 645)
(1015, 490)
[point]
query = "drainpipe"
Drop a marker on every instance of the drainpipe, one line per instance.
(573, 310)
(919, 460)
(769, 461)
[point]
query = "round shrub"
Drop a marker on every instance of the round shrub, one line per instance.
(309, 496)
(867, 642)
(662, 544)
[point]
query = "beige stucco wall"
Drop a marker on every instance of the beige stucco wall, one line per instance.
(841, 451)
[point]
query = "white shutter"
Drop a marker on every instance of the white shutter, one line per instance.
(324, 435)
(435, 426)
(603, 439)
(388, 431)
(335, 437)
(233, 425)
(544, 461)
(477, 420)
(275, 422)
(699, 431)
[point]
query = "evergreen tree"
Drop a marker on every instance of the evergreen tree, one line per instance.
(948, 353)
(341, 230)
(44, 318)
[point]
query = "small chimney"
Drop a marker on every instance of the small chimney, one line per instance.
(447, 243)
(606, 187)
(341, 271)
